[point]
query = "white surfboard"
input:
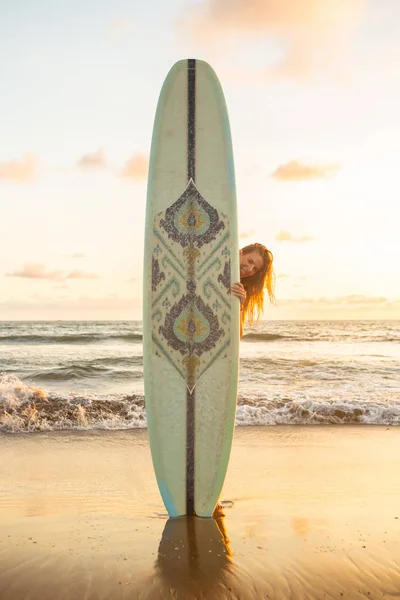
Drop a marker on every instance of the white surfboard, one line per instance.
(190, 317)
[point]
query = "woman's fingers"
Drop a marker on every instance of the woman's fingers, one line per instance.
(239, 291)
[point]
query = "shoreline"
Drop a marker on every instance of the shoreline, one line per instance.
(309, 512)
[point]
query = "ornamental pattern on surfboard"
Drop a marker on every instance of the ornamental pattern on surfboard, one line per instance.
(191, 281)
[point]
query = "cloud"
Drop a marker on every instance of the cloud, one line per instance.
(247, 234)
(312, 35)
(120, 28)
(286, 276)
(93, 160)
(285, 236)
(297, 171)
(136, 167)
(351, 301)
(81, 275)
(352, 306)
(360, 300)
(394, 304)
(23, 170)
(38, 271)
(61, 307)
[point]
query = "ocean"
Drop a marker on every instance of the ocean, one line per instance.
(60, 375)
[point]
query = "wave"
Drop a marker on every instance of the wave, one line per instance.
(95, 368)
(291, 332)
(76, 372)
(26, 408)
(83, 338)
(265, 337)
(318, 337)
(289, 411)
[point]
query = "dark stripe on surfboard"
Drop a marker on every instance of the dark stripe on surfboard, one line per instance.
(190, 396)
(191, 156)
(190, 400)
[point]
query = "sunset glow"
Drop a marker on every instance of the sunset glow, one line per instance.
(313, 91)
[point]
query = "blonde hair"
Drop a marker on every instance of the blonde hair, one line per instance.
(253, 306)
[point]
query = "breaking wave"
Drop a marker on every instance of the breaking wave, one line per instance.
(26, 408)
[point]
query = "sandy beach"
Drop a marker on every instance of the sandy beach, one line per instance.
(310, 512)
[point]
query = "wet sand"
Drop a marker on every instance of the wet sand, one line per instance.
(311, 512)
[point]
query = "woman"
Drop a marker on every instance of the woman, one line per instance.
(256, 273)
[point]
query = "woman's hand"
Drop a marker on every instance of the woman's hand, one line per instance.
(239, 291)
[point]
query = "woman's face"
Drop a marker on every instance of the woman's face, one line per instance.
(250, 263)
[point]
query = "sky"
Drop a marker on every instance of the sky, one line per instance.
(313, 94)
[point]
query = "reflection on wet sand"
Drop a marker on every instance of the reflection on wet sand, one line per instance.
(194, 556)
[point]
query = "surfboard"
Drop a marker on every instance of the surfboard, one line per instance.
(190, 317)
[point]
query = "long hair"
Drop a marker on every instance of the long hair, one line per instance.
(253, 306)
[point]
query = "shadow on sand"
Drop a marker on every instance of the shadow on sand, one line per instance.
(194, 557)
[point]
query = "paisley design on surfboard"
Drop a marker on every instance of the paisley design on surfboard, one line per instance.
(225, 279)
(193, 333)
(191, 220)
(157, 275)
